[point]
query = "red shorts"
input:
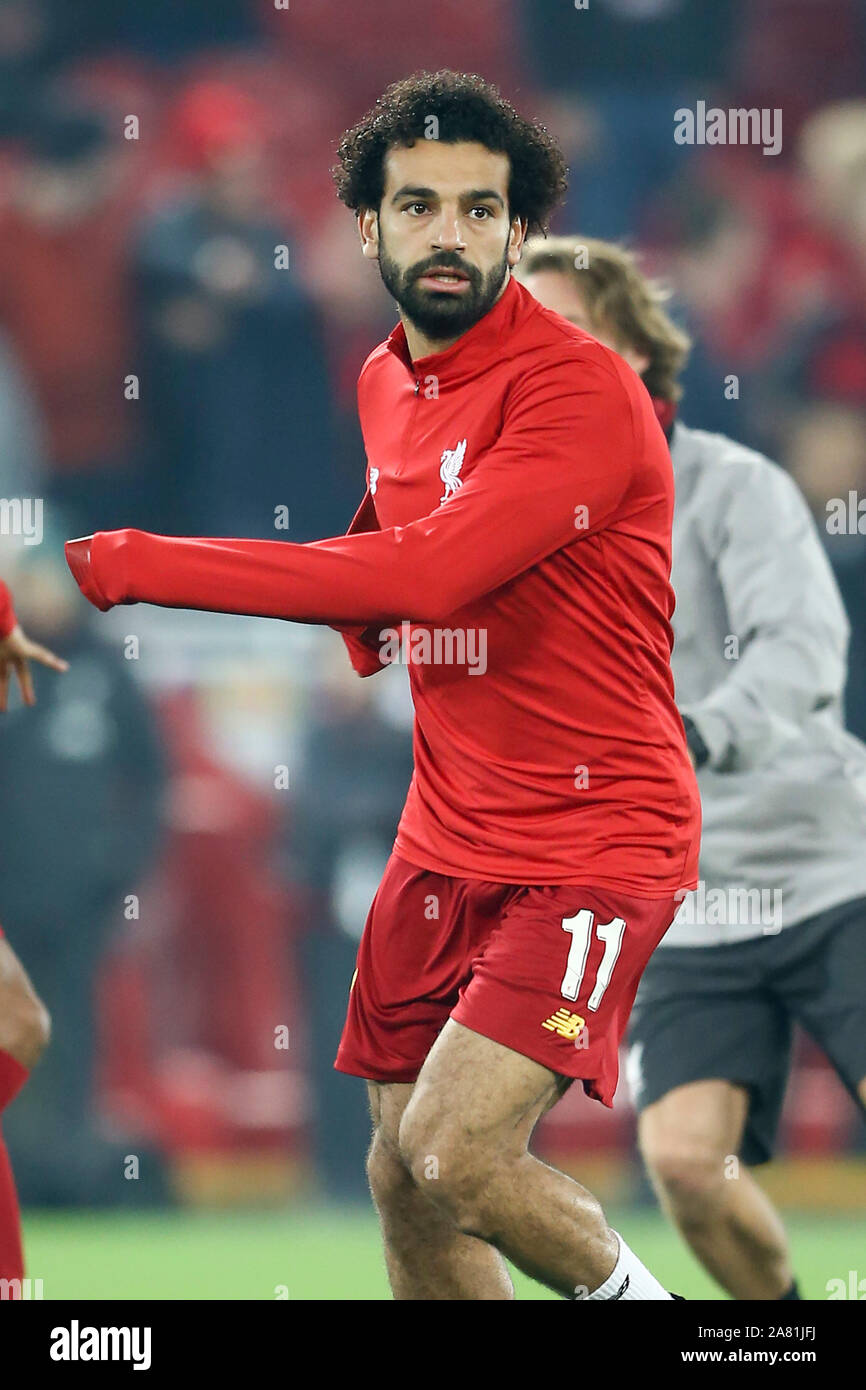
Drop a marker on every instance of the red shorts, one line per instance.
(550, 972)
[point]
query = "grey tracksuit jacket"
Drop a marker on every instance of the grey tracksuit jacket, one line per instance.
(759, 664)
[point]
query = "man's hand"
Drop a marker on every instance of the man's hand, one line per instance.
(16, 653)
(698, 750)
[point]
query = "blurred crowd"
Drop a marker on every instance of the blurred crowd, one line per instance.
(183, 313)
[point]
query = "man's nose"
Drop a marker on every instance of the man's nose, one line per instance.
(447, 234)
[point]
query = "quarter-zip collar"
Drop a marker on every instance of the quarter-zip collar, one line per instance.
(484, 342)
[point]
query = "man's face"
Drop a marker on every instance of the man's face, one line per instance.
(442, 235)
(558, 291)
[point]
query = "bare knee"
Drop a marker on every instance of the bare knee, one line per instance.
(453, 1169)
(25, 1025)
(689, 1168)
(692, 1178)
(389, 1178)
(689, 1140)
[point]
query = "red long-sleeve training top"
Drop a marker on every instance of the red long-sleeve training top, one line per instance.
(520, 492)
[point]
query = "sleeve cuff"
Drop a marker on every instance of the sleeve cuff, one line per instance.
(365, 658)
(8, 621)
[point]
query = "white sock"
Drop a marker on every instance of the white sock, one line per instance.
(629, 1279)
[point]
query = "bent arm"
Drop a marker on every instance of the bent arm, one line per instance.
(784, 606)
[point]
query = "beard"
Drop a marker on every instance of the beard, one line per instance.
(442, 316)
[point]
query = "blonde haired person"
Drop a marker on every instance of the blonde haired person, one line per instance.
(775, 934)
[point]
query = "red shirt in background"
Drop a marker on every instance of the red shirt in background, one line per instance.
(63, 300)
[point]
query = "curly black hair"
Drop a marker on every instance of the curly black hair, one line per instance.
(466, 108)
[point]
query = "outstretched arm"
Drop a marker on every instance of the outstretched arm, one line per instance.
(558, 473)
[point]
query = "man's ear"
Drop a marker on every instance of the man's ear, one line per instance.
(516, 238)
(368, 231)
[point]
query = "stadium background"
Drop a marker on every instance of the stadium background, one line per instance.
(194, 819)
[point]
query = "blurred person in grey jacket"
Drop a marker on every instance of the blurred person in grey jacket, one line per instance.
(776, 933)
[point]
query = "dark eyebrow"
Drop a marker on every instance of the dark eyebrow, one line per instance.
(473, 195)
(484, 195)
(408, 191)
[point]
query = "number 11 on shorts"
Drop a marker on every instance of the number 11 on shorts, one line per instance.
(581, 927)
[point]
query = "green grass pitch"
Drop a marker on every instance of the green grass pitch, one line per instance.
(325, 1254)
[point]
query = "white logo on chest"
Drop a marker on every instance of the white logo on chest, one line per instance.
(452, 462)
(374, 478)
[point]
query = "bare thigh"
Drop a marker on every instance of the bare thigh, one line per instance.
(472, 1089)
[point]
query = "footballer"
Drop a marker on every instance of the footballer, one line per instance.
(24, 1022)
(519, 485)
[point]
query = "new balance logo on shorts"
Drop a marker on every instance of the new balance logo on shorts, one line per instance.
(564, 1024)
